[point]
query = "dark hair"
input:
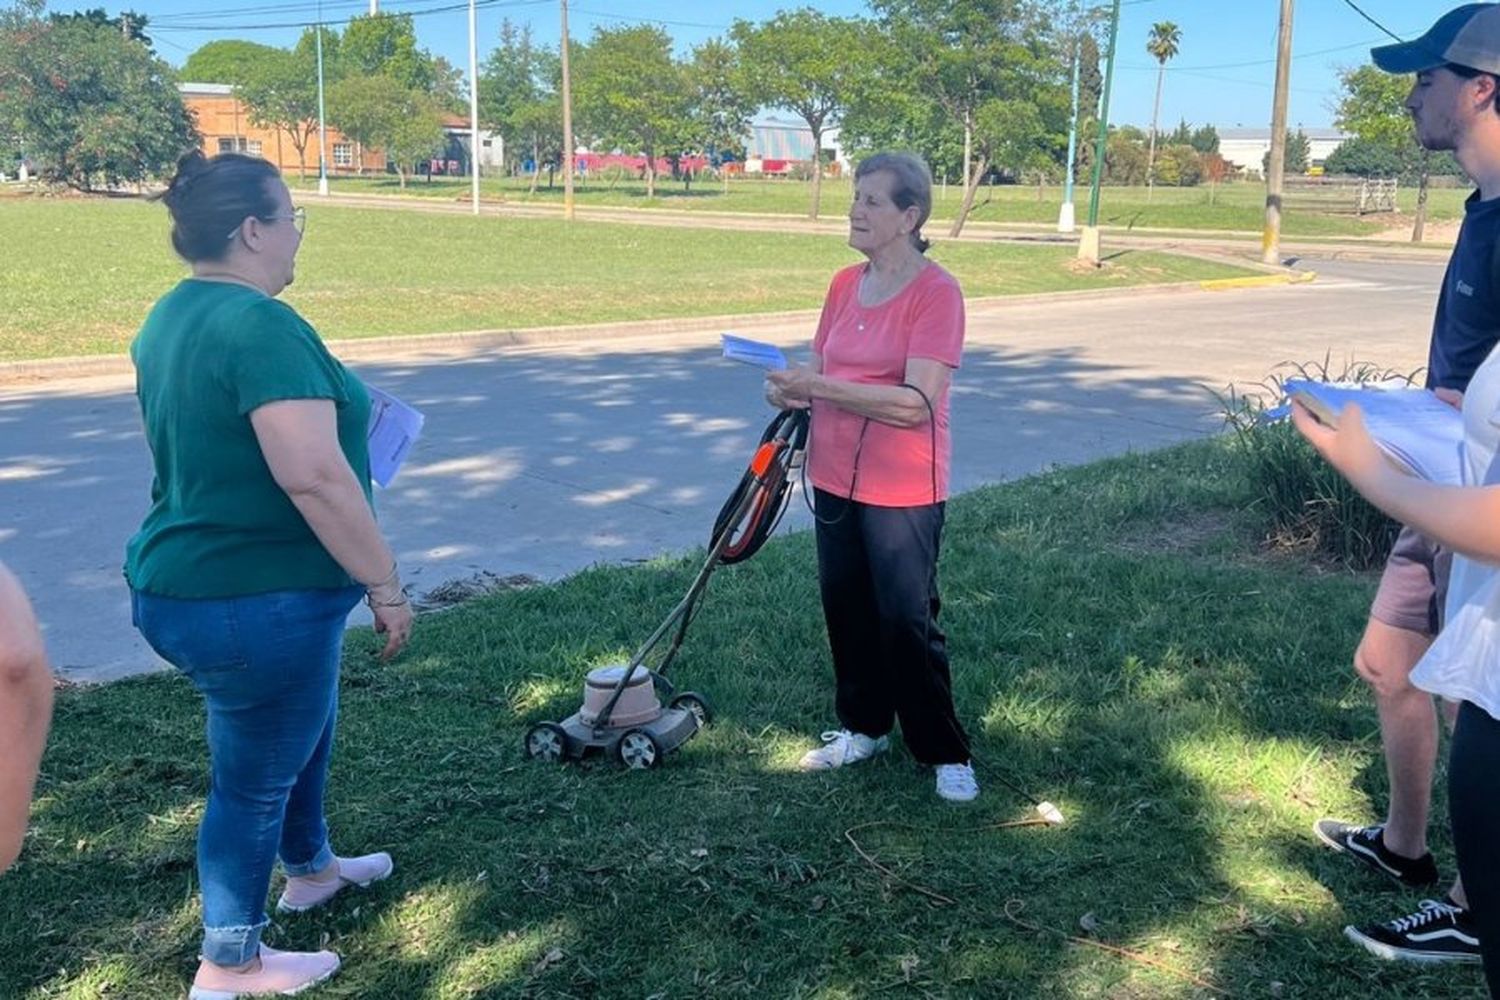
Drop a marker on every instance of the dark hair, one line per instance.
(1469, 73)
(913, 186)
(208, 198)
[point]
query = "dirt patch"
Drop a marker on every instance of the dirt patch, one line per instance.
(451, 593)
(1398, 229)
(1189, 534)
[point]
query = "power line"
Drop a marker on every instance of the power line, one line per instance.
(448, 8)
(1355, 7)
(1255, 62)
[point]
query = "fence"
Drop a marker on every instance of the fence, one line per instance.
(1339, 195)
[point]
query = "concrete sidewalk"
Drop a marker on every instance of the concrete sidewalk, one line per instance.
(542, 460)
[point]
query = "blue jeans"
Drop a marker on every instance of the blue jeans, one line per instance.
(267, 666)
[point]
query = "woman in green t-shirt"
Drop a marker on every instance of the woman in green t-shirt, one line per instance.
(259, 542)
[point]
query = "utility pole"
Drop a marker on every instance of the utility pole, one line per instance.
(473, 109)
(1270, 244)
(322, 128)
(1088, 244)
(567, 103)
(1065, 214)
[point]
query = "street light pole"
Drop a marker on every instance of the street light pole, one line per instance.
(1088, 245)
(473, 109)
(1065, 215)
(567, 109)
(322, 127)
(1270, 244)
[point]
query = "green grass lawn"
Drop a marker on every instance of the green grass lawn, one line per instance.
(97, 266)
(1239, 206)
(1121, 646)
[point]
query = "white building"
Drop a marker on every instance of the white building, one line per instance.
(1247, 147)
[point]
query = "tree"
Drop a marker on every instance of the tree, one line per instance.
(720, 107)
(807, 62)
(630, 93)
(387, 44)
(1374, 109)
(1090, 92)
(1162, 43)
(1358, 157)
(380, 111)
(1125, 157)
(281, 92)
(983, 59)
(518, 97)
(129, 24)
(89, 104)
(1180, 165)
(229, 61)
(1205, 139)
(1298, 152)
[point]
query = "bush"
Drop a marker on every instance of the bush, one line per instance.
(1305, 503)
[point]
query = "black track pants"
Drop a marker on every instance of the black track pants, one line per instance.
(1474, 803)
(877, 570)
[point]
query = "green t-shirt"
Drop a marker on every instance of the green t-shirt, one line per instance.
(208, 354)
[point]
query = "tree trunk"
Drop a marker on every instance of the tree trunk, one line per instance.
(970, 190)
(401, 175)
(301, 158)
(650, 176)
(536, 166)
(1421, 222)
(817, 172)
(1161, 71)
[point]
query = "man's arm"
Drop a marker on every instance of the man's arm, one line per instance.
(25, 712)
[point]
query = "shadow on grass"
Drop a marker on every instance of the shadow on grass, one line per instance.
(1187, 707)
(535, 463)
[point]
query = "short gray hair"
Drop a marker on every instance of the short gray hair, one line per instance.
(913, 186)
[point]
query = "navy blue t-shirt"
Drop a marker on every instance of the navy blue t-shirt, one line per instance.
(1467, 323)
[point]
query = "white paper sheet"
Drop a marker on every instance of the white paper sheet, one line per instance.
(1420, 431)
(394, 428)
(753, 352)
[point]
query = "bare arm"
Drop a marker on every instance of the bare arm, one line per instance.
(1465, 519)
(25, 713)
(896, 405)
(299, 439)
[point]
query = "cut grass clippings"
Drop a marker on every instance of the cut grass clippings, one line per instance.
(97, 265)
(1184, 698)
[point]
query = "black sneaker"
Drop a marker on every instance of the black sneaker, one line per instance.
(1438, 932)
(1366, 844)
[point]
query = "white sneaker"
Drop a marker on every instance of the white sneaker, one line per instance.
(842, 747)
(956, 782)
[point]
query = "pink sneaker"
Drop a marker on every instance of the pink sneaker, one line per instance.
(281, 973)
(303, 892)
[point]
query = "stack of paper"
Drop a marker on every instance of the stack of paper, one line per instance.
(1420, 432)
(394, 427)
(753, 352)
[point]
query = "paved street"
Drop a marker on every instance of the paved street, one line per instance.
(542, 461)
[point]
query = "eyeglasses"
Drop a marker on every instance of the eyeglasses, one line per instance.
(297, 217)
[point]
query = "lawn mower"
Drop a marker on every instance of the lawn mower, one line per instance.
(622, 715)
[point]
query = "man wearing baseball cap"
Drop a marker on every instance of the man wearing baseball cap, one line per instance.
(1453, 104)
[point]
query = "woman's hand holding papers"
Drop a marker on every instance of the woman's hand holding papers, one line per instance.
(1349, 448)
(791, 388)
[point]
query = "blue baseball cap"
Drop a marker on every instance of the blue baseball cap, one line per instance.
(1468, 36)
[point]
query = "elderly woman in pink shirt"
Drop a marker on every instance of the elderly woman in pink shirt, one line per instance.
(890, 336)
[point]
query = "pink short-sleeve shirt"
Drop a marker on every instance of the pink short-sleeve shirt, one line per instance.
(871, 345)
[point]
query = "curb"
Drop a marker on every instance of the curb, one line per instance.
(462, 343)
(1259, 281)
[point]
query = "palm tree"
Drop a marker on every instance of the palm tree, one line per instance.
(1161, 43)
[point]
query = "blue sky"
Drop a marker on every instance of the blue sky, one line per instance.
(1223, 75)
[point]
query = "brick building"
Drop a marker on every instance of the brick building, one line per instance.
(225, 127)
